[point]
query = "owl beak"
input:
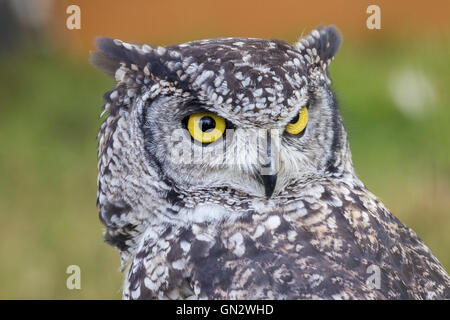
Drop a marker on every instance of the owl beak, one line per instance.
(269, 167)
(269, 182)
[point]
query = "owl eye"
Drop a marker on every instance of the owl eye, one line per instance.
(298, 124)
(206, 127)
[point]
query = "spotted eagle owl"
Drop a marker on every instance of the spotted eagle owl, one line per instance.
(225, 173)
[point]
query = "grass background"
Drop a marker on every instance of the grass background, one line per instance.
(50, 103)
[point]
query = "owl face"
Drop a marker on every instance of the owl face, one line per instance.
(249, 115)
(203, 146)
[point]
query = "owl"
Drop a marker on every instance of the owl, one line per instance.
(225, 172)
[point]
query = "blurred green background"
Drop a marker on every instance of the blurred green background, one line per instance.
(394, 95)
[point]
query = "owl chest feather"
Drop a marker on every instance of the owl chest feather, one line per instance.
(303, 249)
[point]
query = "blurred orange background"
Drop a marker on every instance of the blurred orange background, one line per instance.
(172, 21)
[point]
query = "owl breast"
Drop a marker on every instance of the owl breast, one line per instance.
(323, 244)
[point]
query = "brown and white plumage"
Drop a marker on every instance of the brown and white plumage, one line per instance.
(215, 229)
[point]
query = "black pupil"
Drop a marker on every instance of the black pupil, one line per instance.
(206, 123)
(294, 121)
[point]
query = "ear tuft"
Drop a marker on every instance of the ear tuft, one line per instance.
(323, 42)
(112, 53)
(101, 61)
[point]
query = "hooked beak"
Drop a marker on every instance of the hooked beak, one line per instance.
(269, 168)
(269, 182)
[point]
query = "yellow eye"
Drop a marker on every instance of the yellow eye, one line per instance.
(206, 127)
(298, 124)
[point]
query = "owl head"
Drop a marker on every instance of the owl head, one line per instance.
(216, 121)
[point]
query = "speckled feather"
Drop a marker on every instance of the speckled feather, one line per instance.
(181, 237)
